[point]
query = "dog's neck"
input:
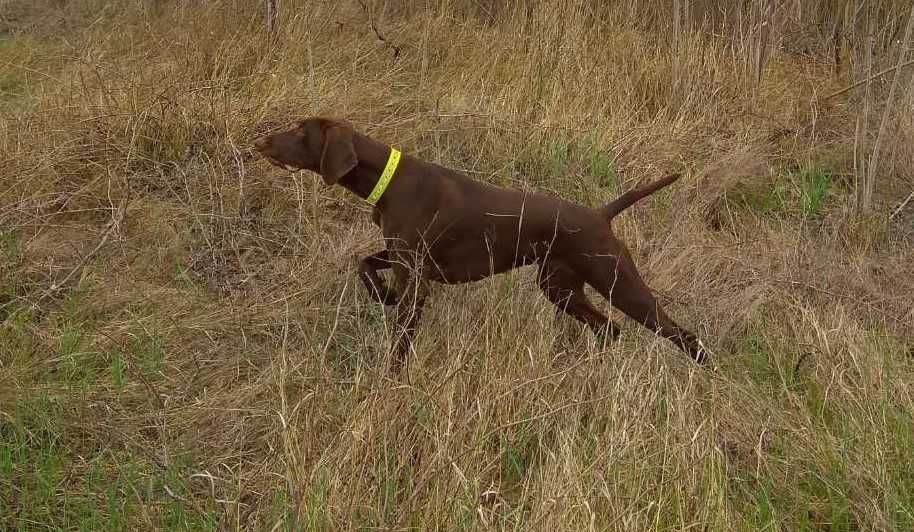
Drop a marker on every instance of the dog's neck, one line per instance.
(372, 156)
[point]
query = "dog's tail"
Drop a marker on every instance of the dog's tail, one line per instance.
(611, 209)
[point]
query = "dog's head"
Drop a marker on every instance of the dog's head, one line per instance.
(317, 144)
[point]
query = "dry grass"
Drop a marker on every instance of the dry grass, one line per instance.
(183, 344)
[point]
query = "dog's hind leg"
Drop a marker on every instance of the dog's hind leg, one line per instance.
(615, 277)
(650, 314)
(565, 289)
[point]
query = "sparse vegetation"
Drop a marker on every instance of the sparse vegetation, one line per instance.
(800, 193)
(184, 344)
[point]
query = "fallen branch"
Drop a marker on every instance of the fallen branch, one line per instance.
(870, 78)
(55, 286)
(902, 206)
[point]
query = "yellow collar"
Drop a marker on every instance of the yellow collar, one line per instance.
(385, 178)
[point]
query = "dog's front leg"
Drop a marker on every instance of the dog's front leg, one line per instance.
(368, 273)
(413, 291)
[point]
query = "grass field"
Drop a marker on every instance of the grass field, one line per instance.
(184, 343)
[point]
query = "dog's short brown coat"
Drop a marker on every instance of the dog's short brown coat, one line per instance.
(440, 225)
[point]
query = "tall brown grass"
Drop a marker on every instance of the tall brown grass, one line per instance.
(184, 345)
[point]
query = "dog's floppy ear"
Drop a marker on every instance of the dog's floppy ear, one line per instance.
(338, 154)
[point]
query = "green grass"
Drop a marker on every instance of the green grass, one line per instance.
(761, 361)
(808, 484)
(817, 499)
(11, 284)
(796, 491)
(317, 504)
(770, 202)
(519, 449)
(118, 371)
(812, 187)
(576, 167)
(600, 165)
(898, 425)
(11, 86)
(796, 192)
(148, 349)
(49, 473)
(78, 361)
(46, 478)
(354, 340)
(25, 62)
(283, 514)
(518, 453)
(761, 513)
(900, 441)
(557, 156)
(12, 81)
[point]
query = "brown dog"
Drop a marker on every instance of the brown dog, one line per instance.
(440, 225)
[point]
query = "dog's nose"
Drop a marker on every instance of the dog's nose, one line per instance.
(261, 143)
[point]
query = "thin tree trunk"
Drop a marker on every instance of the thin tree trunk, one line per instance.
(765, 30)
(272, 15)
(863, 124)
(886, 113)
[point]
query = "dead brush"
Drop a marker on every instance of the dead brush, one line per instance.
(210, 364)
